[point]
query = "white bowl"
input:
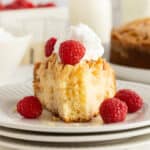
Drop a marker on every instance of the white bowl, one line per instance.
(41, 23)
(12, 50)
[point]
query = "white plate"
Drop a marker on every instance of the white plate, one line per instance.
(9, 95)
(132, 74)
(128, 73)
(136, 142)
(70, 138)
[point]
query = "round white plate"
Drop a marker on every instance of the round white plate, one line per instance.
(132, 74)
(136, 142)
(79, 138)
(128, 73)
(9, 95)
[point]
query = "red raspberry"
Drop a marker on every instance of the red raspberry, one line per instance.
(71, 52)
(28, 4)
(131, 98)
(1, 6)
(29, 107)
(113, 110)
(51, 4)
(19, 4)
(49, 46)
(9, 6)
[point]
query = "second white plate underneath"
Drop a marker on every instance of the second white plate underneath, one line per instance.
(131, 143)
(132, 74)
(9, 95)
(128, 73)
(70, 138)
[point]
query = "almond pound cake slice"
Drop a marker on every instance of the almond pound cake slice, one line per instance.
(73, 92)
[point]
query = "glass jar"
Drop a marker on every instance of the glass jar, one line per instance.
(97, 14)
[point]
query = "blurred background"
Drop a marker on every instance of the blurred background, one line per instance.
(44, 22)
(38, 20)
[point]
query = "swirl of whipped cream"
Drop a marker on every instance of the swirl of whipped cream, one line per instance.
(87, 37)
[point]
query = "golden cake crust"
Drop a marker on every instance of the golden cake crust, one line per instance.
(65, 89)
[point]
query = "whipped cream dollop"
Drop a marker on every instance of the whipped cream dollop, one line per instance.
(87, 37)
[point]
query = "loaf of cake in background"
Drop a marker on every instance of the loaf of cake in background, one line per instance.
(130, 44)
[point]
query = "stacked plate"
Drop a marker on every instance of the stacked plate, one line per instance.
(46, 133)
(128, 73)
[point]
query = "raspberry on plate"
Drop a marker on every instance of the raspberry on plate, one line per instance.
(49, 46)
(113, 110)
(29, 107)
(71, 52)
(131, 98)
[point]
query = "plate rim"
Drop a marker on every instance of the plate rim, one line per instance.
(38, 137)
(128, 70)
(81, 129)
(128, 143)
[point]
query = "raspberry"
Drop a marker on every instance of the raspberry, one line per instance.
(71, 52)
(131, 98)
(49, 46)
(29, 107)
(10, 6)
(1, 6)
(19, 4)
(27, 4)
(113, 110)
(51, 4)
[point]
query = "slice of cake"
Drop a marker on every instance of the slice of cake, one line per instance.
(73, 88)
(130, 44)
(74, 93)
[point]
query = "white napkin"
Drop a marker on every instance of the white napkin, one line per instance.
(12, 50)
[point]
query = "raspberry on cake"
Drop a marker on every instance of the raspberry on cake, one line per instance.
(49, 46)
(74, 91)
(71, 52)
